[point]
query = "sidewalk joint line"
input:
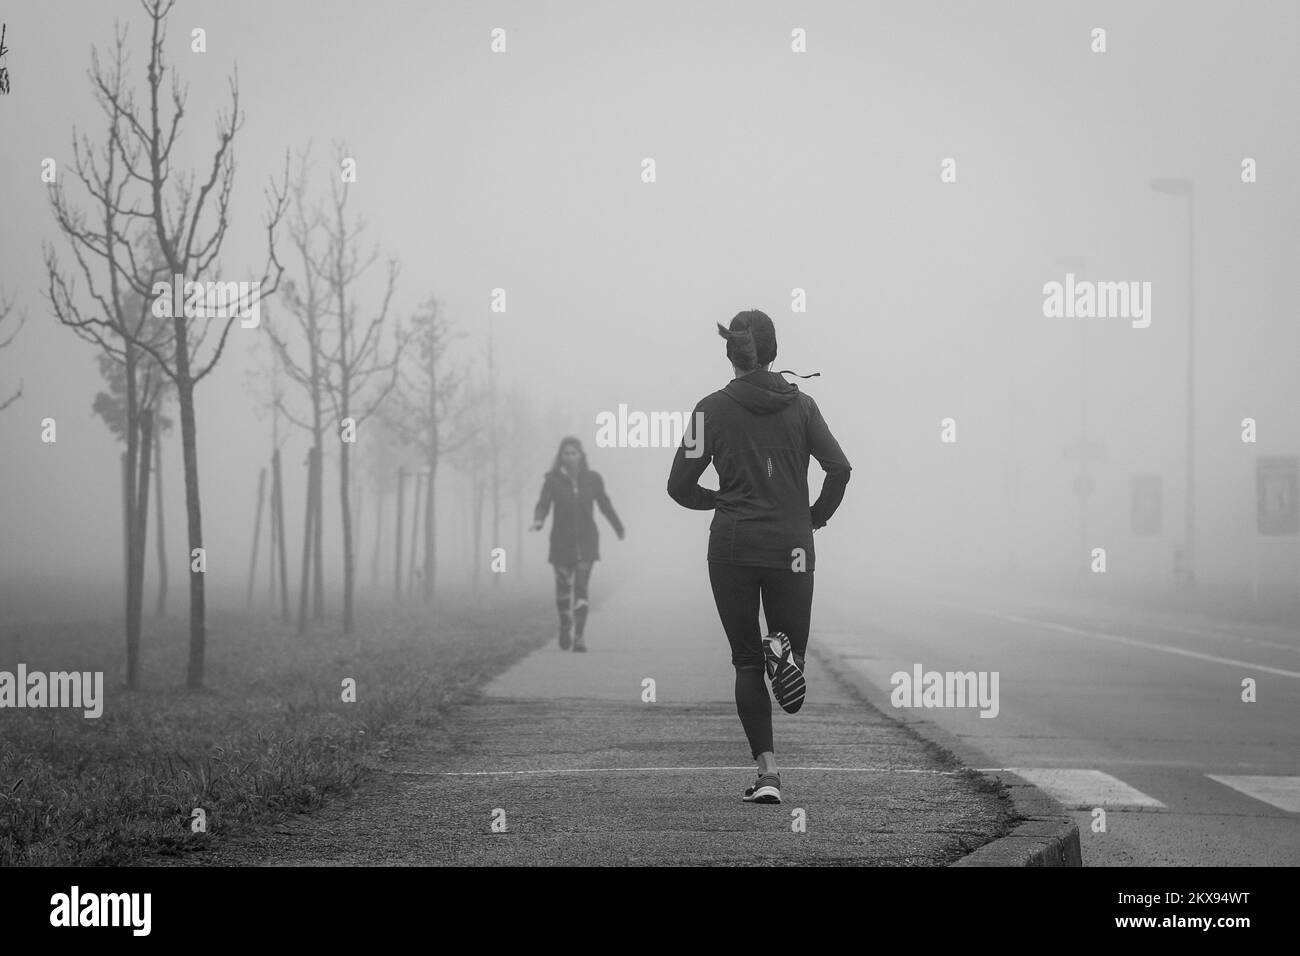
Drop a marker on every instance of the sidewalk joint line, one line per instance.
(504, 773)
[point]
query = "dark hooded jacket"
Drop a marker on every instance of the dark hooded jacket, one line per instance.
(759, 433)
(573, 532)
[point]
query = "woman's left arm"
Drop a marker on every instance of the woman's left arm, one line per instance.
(607, 508)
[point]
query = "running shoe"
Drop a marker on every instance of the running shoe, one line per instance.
(788, 685)
(579, 646)
(564, 638)
(766, 789)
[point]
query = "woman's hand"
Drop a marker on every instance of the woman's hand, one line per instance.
(535, 526)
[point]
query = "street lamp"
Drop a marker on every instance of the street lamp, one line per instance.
(1082, 483)
(1184, 188)
(492, 431)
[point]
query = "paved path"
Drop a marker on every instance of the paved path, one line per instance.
(563, 752)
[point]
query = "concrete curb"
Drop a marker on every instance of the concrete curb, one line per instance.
(1045, 837)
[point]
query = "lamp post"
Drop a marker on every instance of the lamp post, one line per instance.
(1184, 188)
(492, 431)
(1082, 483)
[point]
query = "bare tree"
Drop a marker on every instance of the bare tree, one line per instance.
(358, 377)
(265, 381)
(132, 408)
(424, 404)
(381, 465)
(519, 436)
(189, 229)
(104, 243)
(6, 310)
(306, 298)
(473, 458)
(162, 425)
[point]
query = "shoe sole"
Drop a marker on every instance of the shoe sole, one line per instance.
(791, 689)
(788, 683)
(763, 795)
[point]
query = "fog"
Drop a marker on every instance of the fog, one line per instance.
(775, 171)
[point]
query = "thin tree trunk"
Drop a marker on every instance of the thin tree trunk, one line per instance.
(161, 540)
(270, 548)
(307, 541)
(495, 443)
(278, 535)
(415, 527)
(141, 538)
(132, 522)
(430, 518)
(379, 537)
(479, 496)
(126, 544)
(257, 533)
(397, 561)
(317, 494)
(430, 515)
(345, 500)
(193, 513)
(467, 487)
(519, 535)
(318, 533)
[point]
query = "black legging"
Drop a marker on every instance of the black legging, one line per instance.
(571, 594)
(787, 607)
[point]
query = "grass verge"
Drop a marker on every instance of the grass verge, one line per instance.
(269, 735)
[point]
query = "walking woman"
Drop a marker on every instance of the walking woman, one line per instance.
(572, 487)
(759, 432)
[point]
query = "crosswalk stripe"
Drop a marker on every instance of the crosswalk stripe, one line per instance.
(1085, 788)
(1281, 792)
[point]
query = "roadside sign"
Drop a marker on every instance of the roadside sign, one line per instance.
(1277, 490)
(1092, 451)
(1147, 516)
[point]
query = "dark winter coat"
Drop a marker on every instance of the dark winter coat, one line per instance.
(759, 432)
(573, 532)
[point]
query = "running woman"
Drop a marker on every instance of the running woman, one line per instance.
(759, 432)
(572, 487)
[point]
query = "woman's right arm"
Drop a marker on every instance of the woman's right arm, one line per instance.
(683, 478)
(823, 446)
(543, 503)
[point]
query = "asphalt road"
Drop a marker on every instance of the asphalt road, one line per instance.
(1139, 714)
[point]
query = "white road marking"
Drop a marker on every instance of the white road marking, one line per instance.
(1085, 789)
(1229, 636)
(1281, 792)
(1130, 641)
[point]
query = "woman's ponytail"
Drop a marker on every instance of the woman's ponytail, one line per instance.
(751, 340)
(741, 349)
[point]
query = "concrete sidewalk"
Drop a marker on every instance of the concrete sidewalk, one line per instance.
(564, 757)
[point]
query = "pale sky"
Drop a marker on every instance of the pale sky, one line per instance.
(775, 170)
